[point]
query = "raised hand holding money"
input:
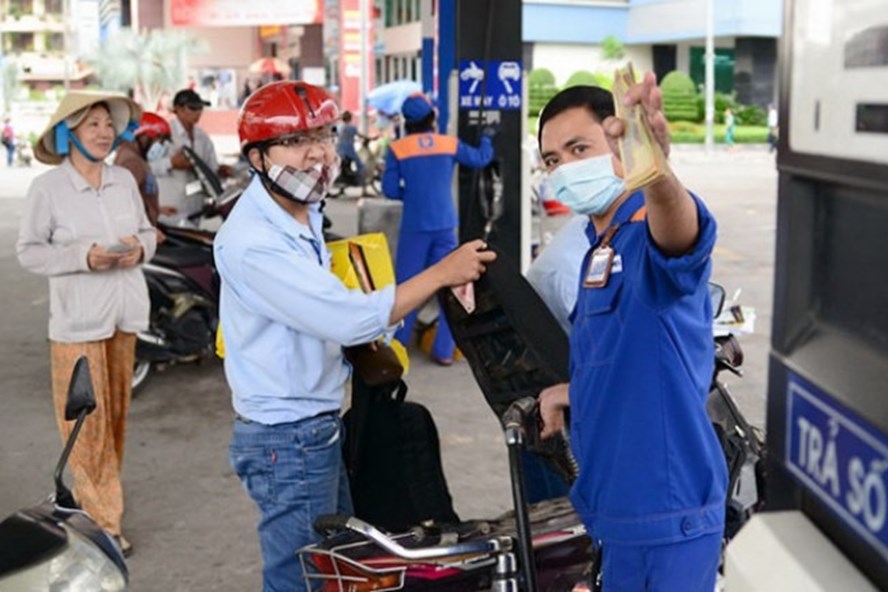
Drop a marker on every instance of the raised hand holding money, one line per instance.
(639, 129)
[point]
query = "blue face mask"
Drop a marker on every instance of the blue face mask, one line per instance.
(588, 187)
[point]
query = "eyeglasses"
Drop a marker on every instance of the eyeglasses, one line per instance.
(325, 140)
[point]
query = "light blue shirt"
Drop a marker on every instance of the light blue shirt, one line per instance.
(285, 316)
(555, 274)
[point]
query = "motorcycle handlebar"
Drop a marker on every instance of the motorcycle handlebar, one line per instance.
(338, 522)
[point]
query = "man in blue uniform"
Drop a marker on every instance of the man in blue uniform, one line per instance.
(652, 481)
(419, 172)
(287, 316)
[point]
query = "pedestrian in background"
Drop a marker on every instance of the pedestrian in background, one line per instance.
(345, 144)
(730, 128)
(135, 156)
(7, 136)
(419, 172)
(773, 130)
(174, 171)
(85, 228)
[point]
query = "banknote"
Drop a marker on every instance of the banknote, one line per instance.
(642, 157)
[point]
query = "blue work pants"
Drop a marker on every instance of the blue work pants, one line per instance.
(418, 251)
(687, 566)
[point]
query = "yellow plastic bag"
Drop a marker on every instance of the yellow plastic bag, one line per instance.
(379, 273)
(376, 253)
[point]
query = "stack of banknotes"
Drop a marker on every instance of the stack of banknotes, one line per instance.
(643, 159)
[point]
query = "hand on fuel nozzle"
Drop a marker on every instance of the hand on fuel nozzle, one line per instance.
(465, 264)
(553, 401)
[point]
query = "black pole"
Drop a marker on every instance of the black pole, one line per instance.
(515, 442)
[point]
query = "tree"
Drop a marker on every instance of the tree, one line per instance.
(541, 88)
(9, 73)
(150, 64)
(612, 48)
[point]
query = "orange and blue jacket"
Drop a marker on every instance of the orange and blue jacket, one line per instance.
(419, 172)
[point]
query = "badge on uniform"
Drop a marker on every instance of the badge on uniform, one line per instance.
(600, 265)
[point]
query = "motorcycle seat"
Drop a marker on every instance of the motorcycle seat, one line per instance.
(177, 257)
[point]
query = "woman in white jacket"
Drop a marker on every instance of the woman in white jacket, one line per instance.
(85, 228)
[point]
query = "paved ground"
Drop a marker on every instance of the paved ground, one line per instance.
(191, 524)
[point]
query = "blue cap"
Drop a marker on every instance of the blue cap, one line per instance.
(416, 107)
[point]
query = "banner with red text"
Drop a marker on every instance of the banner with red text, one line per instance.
(350, 52)
(250, 13)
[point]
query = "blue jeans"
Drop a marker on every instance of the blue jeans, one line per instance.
(294, 473)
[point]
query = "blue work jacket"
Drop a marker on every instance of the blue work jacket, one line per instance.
(419, 172)
(651, 468)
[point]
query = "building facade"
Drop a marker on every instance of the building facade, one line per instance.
(566, 36)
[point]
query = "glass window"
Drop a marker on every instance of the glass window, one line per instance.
(20, 7)
(399, 18)
(53, 6)
(408, 11)
(389, 12)
(55, 42)
(19, 42)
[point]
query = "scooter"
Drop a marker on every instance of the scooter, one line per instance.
(369, 180)
(541, 547)
(183, 286)
(24, 154)
(56, 545)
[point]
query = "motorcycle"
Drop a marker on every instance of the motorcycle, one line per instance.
(56, 545)
(370, 179)
(541, 547)
(24, 153)
(183, 285)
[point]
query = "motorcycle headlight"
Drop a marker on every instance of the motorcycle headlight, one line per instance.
(80, 567)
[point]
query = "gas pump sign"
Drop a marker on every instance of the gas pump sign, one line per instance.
(497, 83)
(840, 457)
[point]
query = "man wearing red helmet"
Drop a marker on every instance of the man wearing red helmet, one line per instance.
(134, 156)
(287, 318)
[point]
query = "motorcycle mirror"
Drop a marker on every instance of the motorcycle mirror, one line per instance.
(717, 296)
(81, 402)
(80, 392)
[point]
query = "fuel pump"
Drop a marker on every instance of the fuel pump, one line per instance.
(826, 527)
(486, 87)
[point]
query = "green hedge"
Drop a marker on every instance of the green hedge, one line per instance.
(695, 133)
(679, 97)
(541, 88)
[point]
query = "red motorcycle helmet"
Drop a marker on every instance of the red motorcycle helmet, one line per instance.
(154, 126)
(283, 108)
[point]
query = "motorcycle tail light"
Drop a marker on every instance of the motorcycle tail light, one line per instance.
(340, 574)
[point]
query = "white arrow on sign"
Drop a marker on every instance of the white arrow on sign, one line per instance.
(473, 73)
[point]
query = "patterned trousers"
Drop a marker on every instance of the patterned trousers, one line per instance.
(97, 458)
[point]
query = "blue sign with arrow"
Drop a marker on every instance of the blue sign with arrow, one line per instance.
(498, 80)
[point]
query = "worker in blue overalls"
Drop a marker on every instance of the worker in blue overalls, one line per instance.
(419, 172)
(652, 483)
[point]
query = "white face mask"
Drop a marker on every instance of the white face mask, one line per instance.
(157, 151)
(588, 186)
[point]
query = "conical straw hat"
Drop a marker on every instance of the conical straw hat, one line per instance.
(73, 109)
